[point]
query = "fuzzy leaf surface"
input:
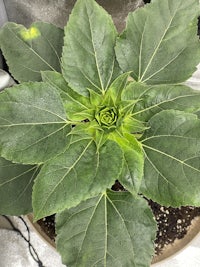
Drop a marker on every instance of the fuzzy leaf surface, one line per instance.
(162, 50)
(153, 99)
(113, 229)
(172, 163)
(78, 107)
(117, 86)
(75, 175)
(29, 51)
(88, 59)
(33, 124)
(16, 182)
(132, 173)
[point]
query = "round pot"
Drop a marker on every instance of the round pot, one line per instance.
(57, 12)
(179, 245)
(36, 227)
(168, 252)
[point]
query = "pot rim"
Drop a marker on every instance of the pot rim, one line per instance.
(179, 245)
(37, 228)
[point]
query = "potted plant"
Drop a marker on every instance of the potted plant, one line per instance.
(96, 107)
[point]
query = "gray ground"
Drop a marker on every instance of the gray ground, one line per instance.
(57, 12)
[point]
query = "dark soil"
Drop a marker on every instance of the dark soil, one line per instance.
(172, 223)
(48, 226)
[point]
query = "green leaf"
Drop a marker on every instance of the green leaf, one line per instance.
(112, 229)
(56, 81)
(96, 99)
(16, 182)
(88, 58)
(75, 175)
(132, 173)
(29, 51)
(160, 43)
(117, 87)
(78, 107)
(153, 99)
(172, 163)
(33, 124)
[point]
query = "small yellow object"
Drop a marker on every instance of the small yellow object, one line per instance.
(30, 34)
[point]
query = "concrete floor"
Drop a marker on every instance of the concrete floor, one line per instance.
(57, 12)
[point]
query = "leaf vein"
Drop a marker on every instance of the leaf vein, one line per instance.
(170, 156)
(158, 45)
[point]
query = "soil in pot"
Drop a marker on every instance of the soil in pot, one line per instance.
(173, 223)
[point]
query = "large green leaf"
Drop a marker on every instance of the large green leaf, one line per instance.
(112, 229)
(153, 99)
(172, 164)
(88, 58)
(28, 51)
(160, 43)
(78, 107)
(75, 175)
(33, 124)
(16, 182)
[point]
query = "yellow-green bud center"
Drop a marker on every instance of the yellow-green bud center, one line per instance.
(106, 116)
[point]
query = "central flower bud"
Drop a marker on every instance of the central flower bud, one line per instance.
(107, 117)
